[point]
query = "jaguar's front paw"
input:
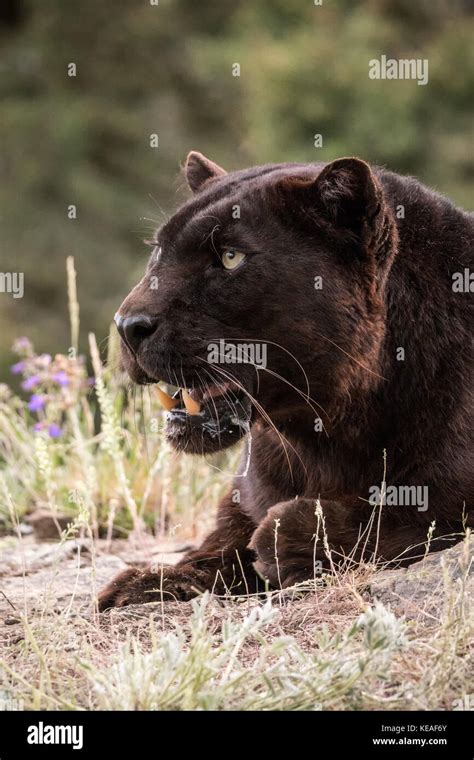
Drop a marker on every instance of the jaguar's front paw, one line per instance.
(135, 586)
(284, 544)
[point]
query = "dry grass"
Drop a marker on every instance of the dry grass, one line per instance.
(330, 648)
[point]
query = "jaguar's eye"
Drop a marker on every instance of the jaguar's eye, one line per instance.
(232, 259)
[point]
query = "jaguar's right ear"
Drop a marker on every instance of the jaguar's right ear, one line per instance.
(199, 170)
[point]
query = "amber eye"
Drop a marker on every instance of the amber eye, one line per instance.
(232, 259)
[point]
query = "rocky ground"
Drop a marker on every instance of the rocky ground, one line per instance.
(50, 586)
(36, 574)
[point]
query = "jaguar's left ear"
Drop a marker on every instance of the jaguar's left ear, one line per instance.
(346, 193)
(199, 169)
(350, 192)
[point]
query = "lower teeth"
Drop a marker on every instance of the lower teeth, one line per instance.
(192, 407)
(165, 400)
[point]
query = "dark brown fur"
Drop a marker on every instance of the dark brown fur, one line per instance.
(387, 284)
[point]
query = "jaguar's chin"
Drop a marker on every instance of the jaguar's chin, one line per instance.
(204, 422)
(201, 418)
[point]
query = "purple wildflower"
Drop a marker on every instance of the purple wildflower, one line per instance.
(54, 431)
(61, 378)
(18, 368)
(36, 403)
(22, 344)
(30, 383)
(38, 427)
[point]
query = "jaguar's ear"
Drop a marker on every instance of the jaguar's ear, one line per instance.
(199, 170)
(350, 192)
(346, 193)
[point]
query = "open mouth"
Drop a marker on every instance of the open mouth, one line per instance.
(212, 418)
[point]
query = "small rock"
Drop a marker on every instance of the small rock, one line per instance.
(11, 621)
(48, 525)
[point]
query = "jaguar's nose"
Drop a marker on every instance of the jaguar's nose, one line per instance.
(133, 330)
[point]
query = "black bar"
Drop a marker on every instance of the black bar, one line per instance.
(376, 734)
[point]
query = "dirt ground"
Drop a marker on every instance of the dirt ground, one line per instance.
(36, 575)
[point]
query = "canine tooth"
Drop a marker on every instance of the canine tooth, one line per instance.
(192, 407)
(165, 400)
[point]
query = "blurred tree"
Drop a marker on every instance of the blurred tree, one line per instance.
(85, 140)
(11, 12)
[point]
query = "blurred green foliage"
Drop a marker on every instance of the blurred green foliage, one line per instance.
(167, 69)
